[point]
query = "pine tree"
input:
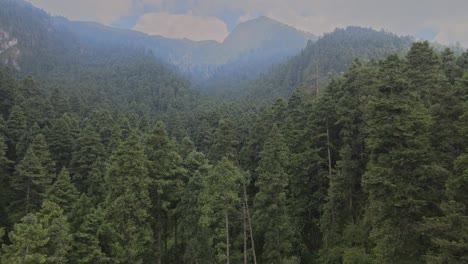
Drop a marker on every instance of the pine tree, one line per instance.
(165, 172)
(86, 245)
(271, 216)
(61, 141)
(127, 204)
(88, 149)
(401, 180)
(27, 140)
(63, 192)
(40, 238)
(449, 232)
(16, 125)
(225, 142)
(41, 149)
(197, 248)
(31, 181)
(5, 180)
(28, 239)
(218, 203)
(58, 246)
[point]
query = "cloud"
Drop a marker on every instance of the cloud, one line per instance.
(406, 17)
(103, 11)
(182, 26)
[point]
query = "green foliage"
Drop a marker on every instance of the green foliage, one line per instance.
(271, 214)
(128, 203)
(218, 203)
(63, 192)
(31, 181)
(43, 237)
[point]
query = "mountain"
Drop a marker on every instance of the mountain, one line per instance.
(117, 71)
(252, 47)
(258, 42)
(328, 57)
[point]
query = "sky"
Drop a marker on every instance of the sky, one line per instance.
(443, 21)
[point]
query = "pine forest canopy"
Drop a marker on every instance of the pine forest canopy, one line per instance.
(353, 150)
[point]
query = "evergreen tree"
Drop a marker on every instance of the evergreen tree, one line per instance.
(16, 125)
(165, 172)
(40, 238)
(197, 248)
(449, 232)
(41, 149)
(5, 180)
(31, 182)
(86, 245)
(88, 149)
(28, 239)
(55, 223)
(127, 204)
(271, 217)
(400, 179)
(225, 142)
(63, 192)
(218, 203)
(61, 140)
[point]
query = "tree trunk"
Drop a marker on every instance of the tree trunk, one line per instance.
(27, 201)
(227, 233)
(250, 225)
(245, 233)
(329, 152)
(175, 240)
(158, 228)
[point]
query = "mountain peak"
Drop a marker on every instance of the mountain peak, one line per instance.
(253, 34)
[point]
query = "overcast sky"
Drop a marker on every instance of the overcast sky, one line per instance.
(443, 21)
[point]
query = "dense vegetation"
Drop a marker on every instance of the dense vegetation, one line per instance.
(370, 170)
(108, 156)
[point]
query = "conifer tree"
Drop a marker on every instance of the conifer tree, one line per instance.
(55, 223)
(271, 217)
(63, 192)
(41, 149)
(197, 247)
(5, 180)
(401, 180)
(16, 125)
(28, 239)
(218, 203)
(61, 141)
(127, 204)
(43, 237)
(31, 180)
(88, 149)
(165, 172)
(86, 245)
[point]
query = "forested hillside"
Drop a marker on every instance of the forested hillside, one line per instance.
(320, 61)
(370, 170)
(107, 155)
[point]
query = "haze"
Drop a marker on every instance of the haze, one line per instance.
(441, 21)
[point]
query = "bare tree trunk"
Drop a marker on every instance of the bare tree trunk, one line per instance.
(245, 233)
(27, 200)
(329, 152)
(158, 228)
(250, 225)
(176, 256)
(227, 233)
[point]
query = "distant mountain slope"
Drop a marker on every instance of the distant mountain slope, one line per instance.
(331, 54)
(259, 42)
(117, 71)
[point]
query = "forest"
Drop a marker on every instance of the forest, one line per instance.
(371, 168)
(354, 151)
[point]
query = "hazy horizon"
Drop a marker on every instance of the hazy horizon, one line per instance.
(443, 22)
